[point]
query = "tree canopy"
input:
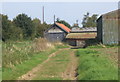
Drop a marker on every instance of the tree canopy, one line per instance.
(21, 28)
(25, 23)
(39, 28)
(89, 21)
(9, 30)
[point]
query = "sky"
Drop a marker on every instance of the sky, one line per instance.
(68, 11)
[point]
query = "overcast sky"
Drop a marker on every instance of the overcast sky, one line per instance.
(69, 11)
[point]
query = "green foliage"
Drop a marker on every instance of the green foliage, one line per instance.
(9, 30)
(63, 22)
(25, 23)
(41, 29)
(5, 27)
(37, 24)
(89, 21)
(21, 28)
(95, 66)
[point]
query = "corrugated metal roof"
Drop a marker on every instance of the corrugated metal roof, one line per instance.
(111, 15)
(85, 29)
(113, 12)
(81, 35)
(63, 27)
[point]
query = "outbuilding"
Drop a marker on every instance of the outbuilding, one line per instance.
(56, 33)
(81, 39)
(108, 27)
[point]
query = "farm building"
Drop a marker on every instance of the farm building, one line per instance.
(82, 37)
(107, 27)
(57, 32)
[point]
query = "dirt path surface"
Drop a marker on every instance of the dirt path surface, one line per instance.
(71, 71)
(31, 74)
(60, 65)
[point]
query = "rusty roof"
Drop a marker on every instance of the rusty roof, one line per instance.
(63, 27)
(81, 35)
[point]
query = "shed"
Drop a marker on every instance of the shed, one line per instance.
(57, 32)
(108, 27)
(80, 38)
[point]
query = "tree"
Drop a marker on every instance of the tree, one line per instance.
(16, 33)
(9, 30)
(0, 27)
(85, 18)
(37, 26)
(89, 21)
(22, 27)
(25, 23)
(42, 28)
(63, 22)
(5, 27)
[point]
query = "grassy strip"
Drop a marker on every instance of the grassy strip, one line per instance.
(0, 61)
(53, 69)
(102, 46)
(62, 46)
(0, 74)
(20, 69)
(95, 66)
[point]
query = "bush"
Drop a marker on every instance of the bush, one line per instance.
(41, 44)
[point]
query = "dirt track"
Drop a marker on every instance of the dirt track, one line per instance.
(71, 70)
(68, 74)
(31, 74)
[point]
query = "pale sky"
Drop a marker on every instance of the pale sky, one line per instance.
(68, 11)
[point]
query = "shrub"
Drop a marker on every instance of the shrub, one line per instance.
(41, 44)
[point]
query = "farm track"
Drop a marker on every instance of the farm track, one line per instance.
(31, 74)
(68, 74)
(71, 71)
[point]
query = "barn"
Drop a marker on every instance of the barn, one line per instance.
(56, 33)
(107, 27)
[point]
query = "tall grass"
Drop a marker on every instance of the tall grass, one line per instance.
(95, 66)
(16, 52)
(41, 44)
(20, 69)
(20, 57)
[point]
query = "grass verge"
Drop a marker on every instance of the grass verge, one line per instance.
(95, 66)
(0, 74)
(24, 67)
